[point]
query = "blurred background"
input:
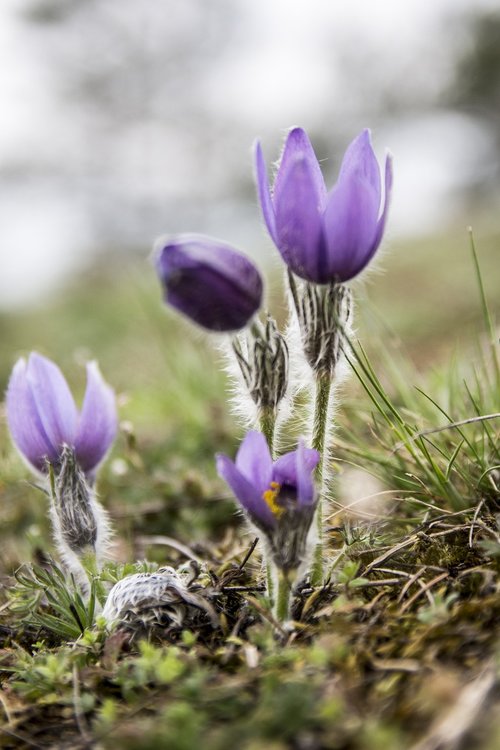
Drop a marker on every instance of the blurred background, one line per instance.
(122, 121)
(125, 120)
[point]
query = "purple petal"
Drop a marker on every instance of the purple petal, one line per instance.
(264, 192)
(245, 492)
(98, 420)
(285, 468)
(54, 403)
(360, 161)
(307, 460)
(24, 422)
(254, 460)
(387, 199)
(209, 281)
(298, 221)
(350, 225)
(299, 146)
(352, 210)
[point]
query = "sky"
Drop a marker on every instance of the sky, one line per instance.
(287, 63)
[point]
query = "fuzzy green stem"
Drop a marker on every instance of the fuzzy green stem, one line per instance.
(91, 566)
(282, 607)
(322, 400)
(270, 583)
(89, 562)
(267, 421)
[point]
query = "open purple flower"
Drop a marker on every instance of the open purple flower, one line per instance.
(325, 237)
(209, 281)
(43, 417)
(278, 498)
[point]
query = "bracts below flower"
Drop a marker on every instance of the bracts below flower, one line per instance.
(80, 523)
(324, 315)
(279, 499)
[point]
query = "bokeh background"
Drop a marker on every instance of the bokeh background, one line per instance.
(122, 121)
(125, 120)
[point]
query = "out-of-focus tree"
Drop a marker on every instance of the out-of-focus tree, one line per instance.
(476, 85)
(477, 82)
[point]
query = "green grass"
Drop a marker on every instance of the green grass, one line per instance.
(409, 621)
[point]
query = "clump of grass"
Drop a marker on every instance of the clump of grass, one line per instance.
(438, 443)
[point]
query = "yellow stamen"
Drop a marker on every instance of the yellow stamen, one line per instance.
(270, 497)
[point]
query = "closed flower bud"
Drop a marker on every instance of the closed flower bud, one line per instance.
(262, 355)
(208, 281)
(325, 237)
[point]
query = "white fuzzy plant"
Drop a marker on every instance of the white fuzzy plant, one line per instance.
(81, 526)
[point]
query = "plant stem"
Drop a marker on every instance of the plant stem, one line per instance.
(270, 582)
(322, 400)
(282, 609)
(91, 566)
(267, 421)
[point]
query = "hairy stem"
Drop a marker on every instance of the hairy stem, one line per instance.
(282, 607)
(267, 421)
(270, 582)
(92, 570)
(322, 400)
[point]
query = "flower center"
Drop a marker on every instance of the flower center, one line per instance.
(270, 495)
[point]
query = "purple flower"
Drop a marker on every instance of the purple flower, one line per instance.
(43, 418)
(279, 498)
(209, 281)
(325, 237)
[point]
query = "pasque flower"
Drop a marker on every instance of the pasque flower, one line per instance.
(207, 280)
(43, 418)
(278, 498)
(49, 431)
(325, 237)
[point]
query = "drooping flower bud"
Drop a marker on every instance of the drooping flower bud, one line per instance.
(325, 237)
(208, 281)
